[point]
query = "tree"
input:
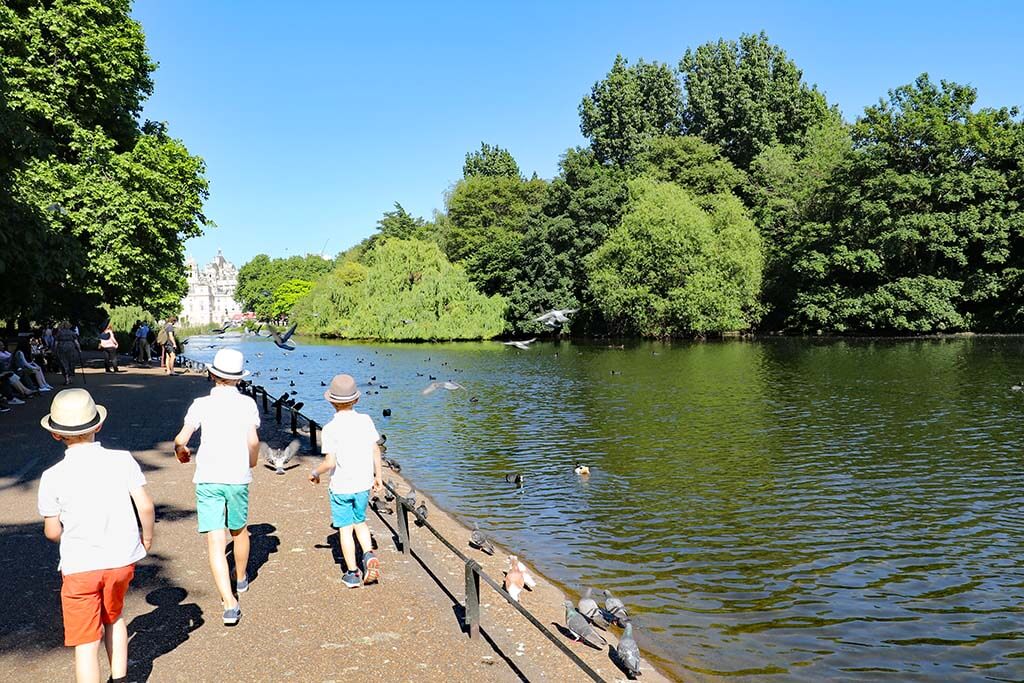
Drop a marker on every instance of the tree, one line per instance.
(678, 264)
(744, 96)
(399, 224)
(407, 290)
(287, 294)
(920, 229)
(260, 278)
(491, 161)
(631, 104)
(690, 163)
(93, 206)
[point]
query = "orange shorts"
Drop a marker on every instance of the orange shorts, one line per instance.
(90, 599)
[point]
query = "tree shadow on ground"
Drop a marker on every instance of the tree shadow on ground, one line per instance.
(160, 631)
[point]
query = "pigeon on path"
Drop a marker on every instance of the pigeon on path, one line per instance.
(434, 386)
(479, 540)
(581, 629)
(514, 579)
(588, 607)
(614, 607)
(279, 457)
(628, 653)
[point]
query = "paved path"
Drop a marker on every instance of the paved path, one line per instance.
(299, 622)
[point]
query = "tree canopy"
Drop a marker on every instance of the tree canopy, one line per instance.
(260, 280)
(492, 161)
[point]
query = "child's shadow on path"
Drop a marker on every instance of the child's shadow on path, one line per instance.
(160, 631)
(262, 544)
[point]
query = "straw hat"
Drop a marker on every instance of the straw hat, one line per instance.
(229, 364)
(72, 413)
(342, 390)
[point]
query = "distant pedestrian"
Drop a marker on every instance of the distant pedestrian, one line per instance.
(68, 350)
(352, 456)
(108, 344)
(142, 343)
(228, 450)
(86, 501)
(170, 344)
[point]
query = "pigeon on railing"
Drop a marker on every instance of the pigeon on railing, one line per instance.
(581, 629)
(388, 495)
(588, 607)
(479, 540)
(421, 510)
(279, 457)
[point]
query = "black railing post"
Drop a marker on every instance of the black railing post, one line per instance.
(278, 412)
(295, 421)
(312, 436)
(472, 617)
(266, 404)
(403, 524)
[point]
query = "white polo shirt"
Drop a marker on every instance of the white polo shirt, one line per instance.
(223, 418)
(350, 437)
(90, 491)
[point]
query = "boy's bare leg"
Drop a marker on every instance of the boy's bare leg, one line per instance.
(115, 639)
(87, 665)
(363, 534)
(348, 547)
(241, 541)
(216, 545)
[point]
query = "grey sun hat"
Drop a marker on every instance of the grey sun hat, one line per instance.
(73, 413)
(229, 364)
(342, 390)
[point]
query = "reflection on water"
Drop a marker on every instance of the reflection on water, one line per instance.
(779, 510)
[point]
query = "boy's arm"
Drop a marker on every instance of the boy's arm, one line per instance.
(253, 442)
(52, 528)
(147, 515)
(327, 465)
(378, 481)
(181, 442)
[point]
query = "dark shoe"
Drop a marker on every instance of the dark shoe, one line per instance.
(372, 568)
(231, 616)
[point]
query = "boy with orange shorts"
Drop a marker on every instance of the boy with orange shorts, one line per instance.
(86, 503)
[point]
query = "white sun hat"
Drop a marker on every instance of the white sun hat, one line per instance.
(229, 364)
(72, 413)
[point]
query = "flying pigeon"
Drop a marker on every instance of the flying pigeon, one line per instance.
(614, 607)
(628, 653)
(588, 608)
(479, 540)
(514, 581)
(279, 457)
(281, 340)
(521, 345)
(434, 386)
(581, 629)
(555, 318)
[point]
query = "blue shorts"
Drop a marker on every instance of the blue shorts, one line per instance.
(348, 508)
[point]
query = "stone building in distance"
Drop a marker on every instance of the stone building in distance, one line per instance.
(211, 293)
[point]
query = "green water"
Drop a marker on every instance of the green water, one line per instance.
(775, 510)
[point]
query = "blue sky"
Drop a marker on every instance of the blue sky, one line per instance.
(314, 117)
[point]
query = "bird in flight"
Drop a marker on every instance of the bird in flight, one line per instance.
(282, 339)
(555, 317)
(521, 345)
(434, 386)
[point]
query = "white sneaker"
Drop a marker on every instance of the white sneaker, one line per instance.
(47, 388)
(15, 401)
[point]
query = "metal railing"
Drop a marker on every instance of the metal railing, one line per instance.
(474, 573)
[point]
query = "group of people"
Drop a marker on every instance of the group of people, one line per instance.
(144, 340)
(21, 373)
(89, 501)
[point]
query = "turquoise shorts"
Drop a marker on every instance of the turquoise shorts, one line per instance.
(348, 508)
(222, 506)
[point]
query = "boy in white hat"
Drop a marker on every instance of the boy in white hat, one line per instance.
(352, 456)
(86, 504)
(228, 450)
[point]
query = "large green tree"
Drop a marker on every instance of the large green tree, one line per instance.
(406, 290)
(746, 95)
(93, 206)
(631, 104)
(678, 264)
(921, 229)
(260, 280)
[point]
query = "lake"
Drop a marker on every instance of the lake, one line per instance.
(772, 510)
